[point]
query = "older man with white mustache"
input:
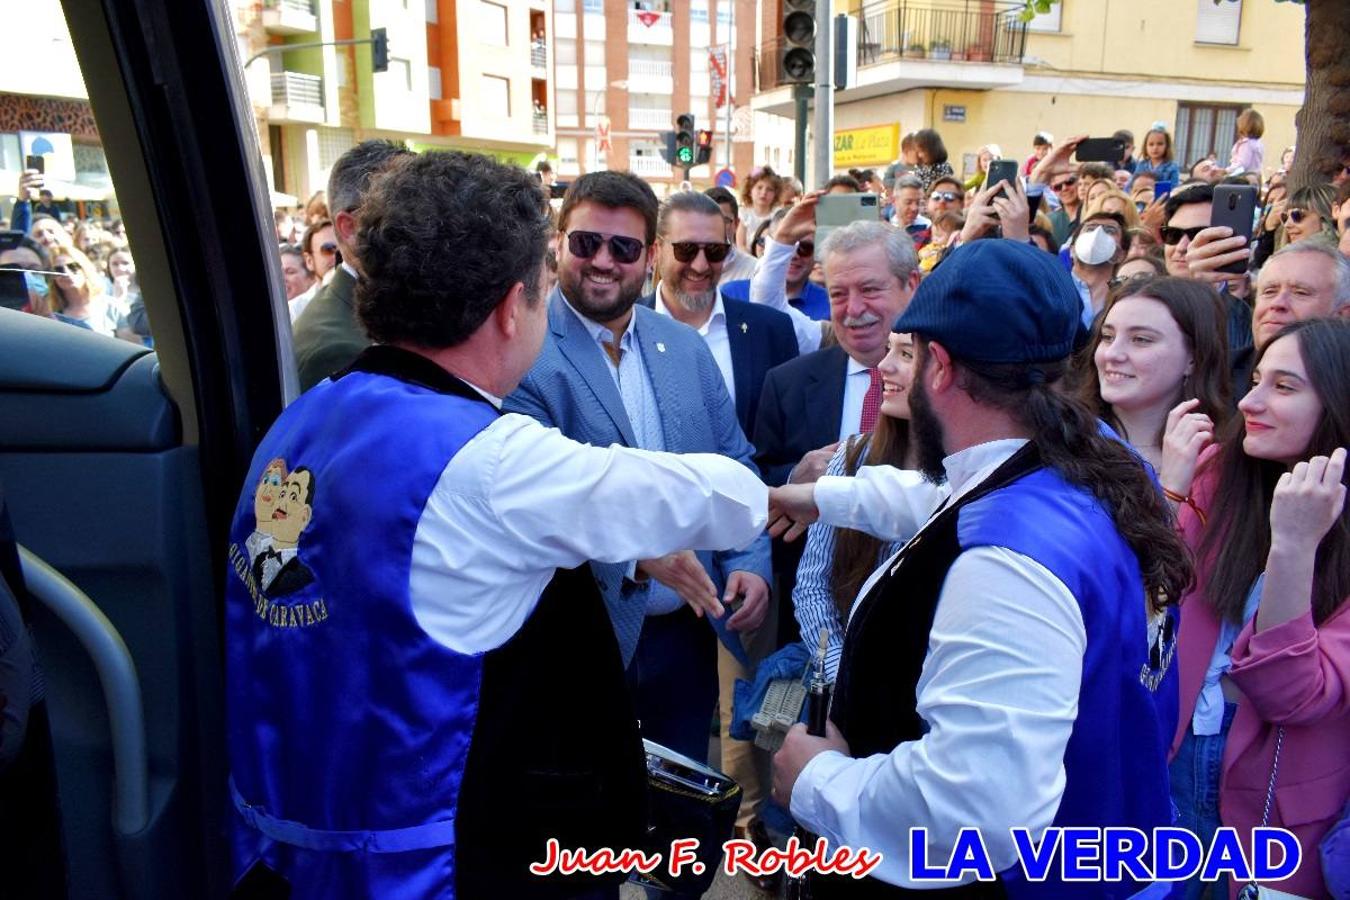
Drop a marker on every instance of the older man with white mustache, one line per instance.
(819, 399)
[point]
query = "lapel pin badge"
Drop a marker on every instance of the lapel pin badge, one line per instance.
(660, 347)
(745, 329)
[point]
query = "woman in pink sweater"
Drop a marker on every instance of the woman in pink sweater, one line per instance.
(1264, 647)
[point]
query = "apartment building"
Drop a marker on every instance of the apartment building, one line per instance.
(977, 73)
(471, 74)
(623, 71)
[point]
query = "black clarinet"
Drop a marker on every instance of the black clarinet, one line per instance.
(818, 695)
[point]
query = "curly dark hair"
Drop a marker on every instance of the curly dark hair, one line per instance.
(442, 238)
(1067, 435)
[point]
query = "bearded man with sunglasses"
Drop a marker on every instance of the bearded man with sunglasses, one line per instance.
(1195, 250)
(612, 371)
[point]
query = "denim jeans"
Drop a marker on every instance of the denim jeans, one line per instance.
(1195, 791)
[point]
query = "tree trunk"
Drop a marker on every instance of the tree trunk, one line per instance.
(1324, 121)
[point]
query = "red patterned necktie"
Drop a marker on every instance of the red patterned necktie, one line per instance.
(871, 403)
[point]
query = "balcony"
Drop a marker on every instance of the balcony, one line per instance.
(539, 55)
(650, 167)
(289, 17)
(540, 118)
(296, 97)
(649, 76)
(650, 119)
(901, 47)
(651, 28)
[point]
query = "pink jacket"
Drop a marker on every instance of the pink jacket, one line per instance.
(1296, 675)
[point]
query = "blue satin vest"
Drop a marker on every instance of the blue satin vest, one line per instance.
(1116, 759)
(349, 728)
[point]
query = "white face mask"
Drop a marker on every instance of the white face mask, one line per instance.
(1094, 246)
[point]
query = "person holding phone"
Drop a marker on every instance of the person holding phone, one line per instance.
(1002, 207)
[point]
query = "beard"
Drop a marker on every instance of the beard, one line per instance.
(700, 301)
(589, 301)
(926, 431)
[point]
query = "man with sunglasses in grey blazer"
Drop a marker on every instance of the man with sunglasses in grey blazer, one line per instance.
(615, 372)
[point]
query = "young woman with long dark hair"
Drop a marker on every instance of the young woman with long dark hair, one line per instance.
(1264, 647)
(836, 561)
(1159, 370)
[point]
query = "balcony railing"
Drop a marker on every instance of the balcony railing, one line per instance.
(651, 68)
(540, 122)
(649, 166)
(650, 119)
(539, 55)
(893, 29)
(297, 89)
(289, 16)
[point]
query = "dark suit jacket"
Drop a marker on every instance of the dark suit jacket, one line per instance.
(327, 336)
(760, 339)
(799, 411)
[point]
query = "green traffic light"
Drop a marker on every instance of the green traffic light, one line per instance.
(685, 155)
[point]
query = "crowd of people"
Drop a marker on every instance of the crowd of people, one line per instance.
(1054, 467)
(77, 271)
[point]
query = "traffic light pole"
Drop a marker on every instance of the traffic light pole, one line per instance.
(824, 119)
(308, 45)
(801, 94)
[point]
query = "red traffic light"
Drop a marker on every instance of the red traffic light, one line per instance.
(705, 138)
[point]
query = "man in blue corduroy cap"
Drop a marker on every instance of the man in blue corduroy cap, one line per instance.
(1010, 666)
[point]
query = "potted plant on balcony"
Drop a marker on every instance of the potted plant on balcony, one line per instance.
(915, 50)
(979, 53)
(940, 49)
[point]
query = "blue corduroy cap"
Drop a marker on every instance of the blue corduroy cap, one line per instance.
(997, 301)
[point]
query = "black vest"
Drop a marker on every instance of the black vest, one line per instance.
(876, 699)
(561, 755)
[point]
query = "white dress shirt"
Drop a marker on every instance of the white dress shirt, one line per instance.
(296, 305)
(714, 332)
(856, 382)
(520, 500)
(769, 287)
(998, 691)
(738, 266)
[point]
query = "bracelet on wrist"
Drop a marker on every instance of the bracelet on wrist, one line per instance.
(1186, 500)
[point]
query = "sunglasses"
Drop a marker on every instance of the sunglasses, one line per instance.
(585, 244)
(328, 248)
(1066, 183)
(1172, 236)
(1126, 279)
(806, 249)
(687, 251)
(939, 196)
(1295, 215)
(67, 268)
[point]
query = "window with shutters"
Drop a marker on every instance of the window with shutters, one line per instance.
(1218, 23)
(1204, 130)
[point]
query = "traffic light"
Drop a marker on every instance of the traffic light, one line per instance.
(668, 147)
(379, 50)
(797, 57)
(685, 151)
(703, 151)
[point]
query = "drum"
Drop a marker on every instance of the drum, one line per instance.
(687, 799)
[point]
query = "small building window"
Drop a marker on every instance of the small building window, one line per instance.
(1218, 23)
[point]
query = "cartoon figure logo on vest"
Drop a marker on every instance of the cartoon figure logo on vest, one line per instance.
(282, 507)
